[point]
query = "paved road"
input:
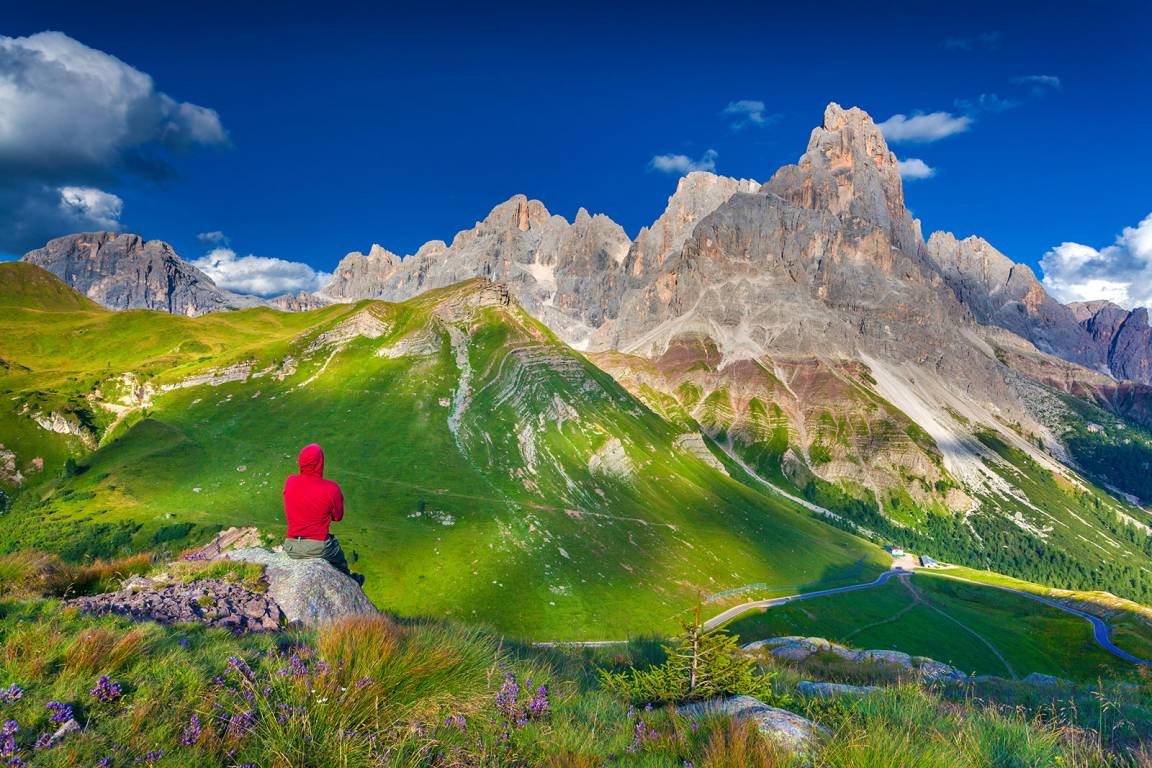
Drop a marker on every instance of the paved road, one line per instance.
(735, 611)
(1101, 632)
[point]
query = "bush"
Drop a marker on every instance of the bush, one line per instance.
(700, 667)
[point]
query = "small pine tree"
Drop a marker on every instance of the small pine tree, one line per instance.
(702, 665)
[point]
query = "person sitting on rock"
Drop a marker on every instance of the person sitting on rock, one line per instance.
(311, 504)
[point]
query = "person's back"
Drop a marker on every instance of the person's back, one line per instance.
(311, 504)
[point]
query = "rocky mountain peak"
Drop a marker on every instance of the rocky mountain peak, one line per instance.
(849, 172)
(359, 276)
(697, 194)
(123, 271)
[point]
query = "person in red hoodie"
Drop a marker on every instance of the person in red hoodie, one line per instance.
(311, 504)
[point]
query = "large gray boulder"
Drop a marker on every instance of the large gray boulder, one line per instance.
(310, 592)
(816, 690)
(789, 730)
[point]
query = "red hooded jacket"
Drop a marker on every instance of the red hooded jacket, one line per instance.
(310, 501)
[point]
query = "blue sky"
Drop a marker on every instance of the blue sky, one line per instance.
(366, 124)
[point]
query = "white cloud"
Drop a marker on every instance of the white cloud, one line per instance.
(259, 275)
(1121, 272)
(73, 117)
(923, 128)
(91, 208)
(748, 112)
(1039, 83)
(915, 168)
(986, 102)
(216, 237)
(682, 164)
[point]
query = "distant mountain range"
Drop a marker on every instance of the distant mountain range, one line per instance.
(800, 334)
(697, 266)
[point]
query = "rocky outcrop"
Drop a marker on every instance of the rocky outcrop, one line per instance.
(787, 729)
(122, 271)
(299, 302)
(798, 649)
(818, 690)
(310, 592)
(215, 602)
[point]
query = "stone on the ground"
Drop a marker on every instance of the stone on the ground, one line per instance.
(772, 642)
(898, 658)
(311, 591)
(930, 669)
(1037, 678)
(798, 649)
(787, 729)
(64, 731)
(813, 690)
(215, 602)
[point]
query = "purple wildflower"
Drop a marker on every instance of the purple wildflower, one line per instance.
(8, 738)
(106, 690)
(151, 758)
(61, 713)
(43, 742)
(538, 706)
(363, 682)
(239, 725)
(191, 732)
(11, 694)
(238, 665)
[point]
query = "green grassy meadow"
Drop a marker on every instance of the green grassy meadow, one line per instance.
(948, 621)
(499, 518)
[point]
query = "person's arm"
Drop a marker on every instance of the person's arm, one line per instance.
(338, 505)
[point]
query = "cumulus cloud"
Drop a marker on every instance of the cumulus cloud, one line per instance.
(259, 275)
(984, 40)
(924, 127)
(682, 164)
(88, 205)
(1120, 272)
(746, 112)
(915, 168)
(73, 117)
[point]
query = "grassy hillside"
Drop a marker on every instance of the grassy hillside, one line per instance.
(490, 472)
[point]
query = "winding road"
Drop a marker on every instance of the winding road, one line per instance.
(1101, 632)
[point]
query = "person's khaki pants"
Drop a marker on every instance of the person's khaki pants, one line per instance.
(329, 549)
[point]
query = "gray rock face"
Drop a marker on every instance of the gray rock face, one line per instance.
(311, 592)
(299, 302)
(122, 271)
(360, 276)
(787, 729)
(567, 274)
(697, 195)
(1000, 292)
(1123, 337)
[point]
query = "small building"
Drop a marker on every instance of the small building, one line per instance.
(895, 551)
(929, 562)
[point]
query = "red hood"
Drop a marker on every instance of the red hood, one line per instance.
(312, 461)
